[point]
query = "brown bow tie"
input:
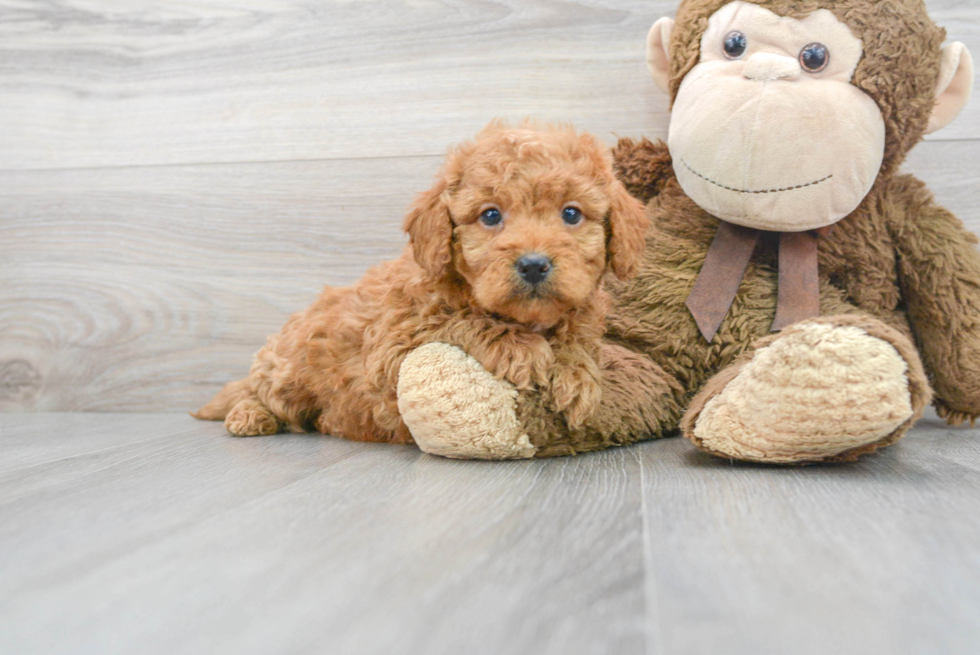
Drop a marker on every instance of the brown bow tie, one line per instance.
(723, 269)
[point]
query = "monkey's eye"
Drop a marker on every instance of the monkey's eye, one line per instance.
(735, 45)
(491, 216)
(814, 57)
(571, 215)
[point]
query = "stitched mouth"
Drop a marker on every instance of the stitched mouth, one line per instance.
(723, 186)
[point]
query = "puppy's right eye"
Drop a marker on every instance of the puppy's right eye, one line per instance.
(491, 217)
(571, 215)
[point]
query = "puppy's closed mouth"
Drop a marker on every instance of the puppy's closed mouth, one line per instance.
(524, 292)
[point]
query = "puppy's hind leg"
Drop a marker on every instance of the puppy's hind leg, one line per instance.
(243, 413)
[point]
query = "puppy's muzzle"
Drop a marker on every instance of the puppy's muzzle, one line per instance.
(533, 268)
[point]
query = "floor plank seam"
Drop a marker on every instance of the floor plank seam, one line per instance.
(651, 615)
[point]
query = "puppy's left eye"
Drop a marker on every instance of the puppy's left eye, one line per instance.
(491, 217)
(571, 215)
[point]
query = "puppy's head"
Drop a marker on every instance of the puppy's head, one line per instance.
(531, 219)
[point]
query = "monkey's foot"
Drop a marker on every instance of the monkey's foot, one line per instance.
(824, 390)
(250, 418)
(455, 408)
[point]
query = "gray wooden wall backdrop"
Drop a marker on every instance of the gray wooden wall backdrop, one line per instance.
(177, 177)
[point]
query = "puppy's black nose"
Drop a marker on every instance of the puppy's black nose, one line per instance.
(533, 268)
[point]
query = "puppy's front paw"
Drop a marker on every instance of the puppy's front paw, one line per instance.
(523, 359)
(576, 390)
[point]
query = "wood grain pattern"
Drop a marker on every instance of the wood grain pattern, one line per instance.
(327, 219)
(103, 84)
(139, 286)
(193, 541)
(878, 557)
(154, 533)
(145, 289)
(87, 83)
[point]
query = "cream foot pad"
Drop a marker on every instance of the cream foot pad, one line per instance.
(816, 392)
(455, 408)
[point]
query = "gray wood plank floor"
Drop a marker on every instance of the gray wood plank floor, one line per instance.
(153, 533)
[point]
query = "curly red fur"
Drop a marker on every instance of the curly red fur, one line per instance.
(334, 366)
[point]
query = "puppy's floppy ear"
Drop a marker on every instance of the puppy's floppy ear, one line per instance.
(430, 230)
(627, 230)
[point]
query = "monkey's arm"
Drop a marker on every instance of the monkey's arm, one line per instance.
(639, 401)
(939, 272)
(644, 167)
(455, 408)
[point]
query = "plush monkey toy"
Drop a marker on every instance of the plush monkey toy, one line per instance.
(799, 300)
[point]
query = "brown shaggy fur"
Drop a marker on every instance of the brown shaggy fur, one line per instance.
(904, 268)
(334, 367)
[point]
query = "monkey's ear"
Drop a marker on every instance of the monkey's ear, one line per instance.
(628, 225)
(954, 86)
(430, 230)
(658, 52)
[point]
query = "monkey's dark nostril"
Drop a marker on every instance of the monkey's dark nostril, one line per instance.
(533, 269)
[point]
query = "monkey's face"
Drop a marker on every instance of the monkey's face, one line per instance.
(767, 130)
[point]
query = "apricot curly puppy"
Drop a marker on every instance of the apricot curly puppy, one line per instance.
(506, 259)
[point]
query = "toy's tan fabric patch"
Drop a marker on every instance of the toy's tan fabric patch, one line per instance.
(455, 408)
(818, 391)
